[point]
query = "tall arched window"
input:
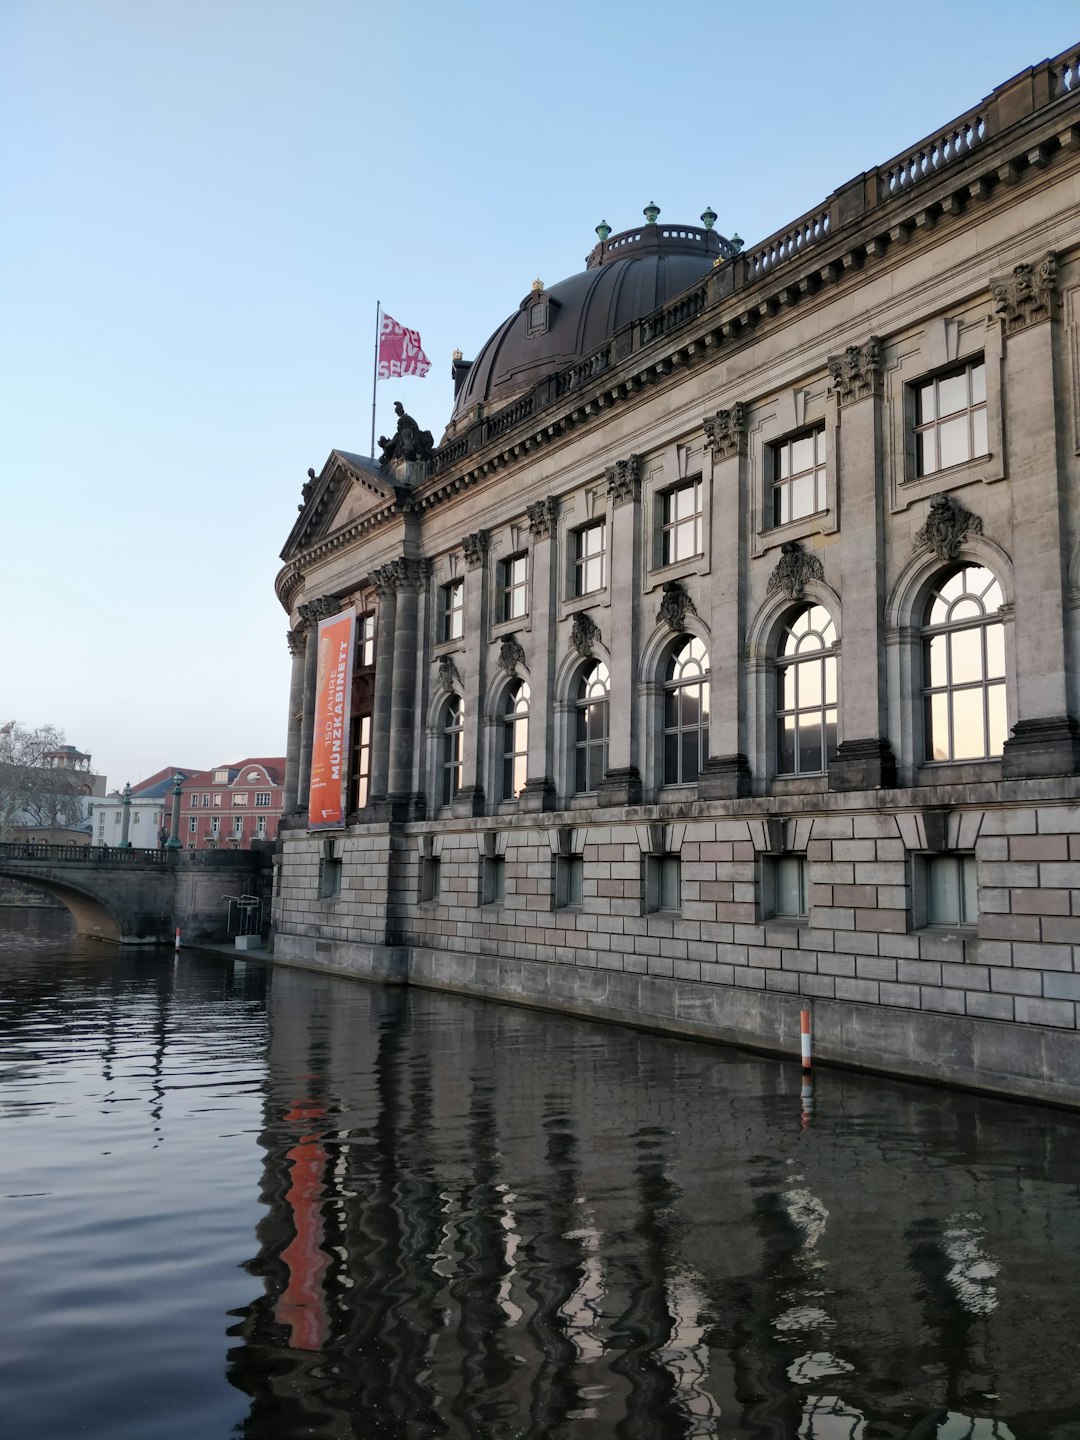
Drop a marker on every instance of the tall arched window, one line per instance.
(515, 748)
(452, 747)
(590, 750)
(963, 643)
(686, 712)
(806, 693)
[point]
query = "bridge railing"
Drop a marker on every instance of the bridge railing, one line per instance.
(89, 854)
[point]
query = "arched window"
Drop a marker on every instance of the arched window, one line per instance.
(686, 712)
(452, 747)
(590, 750)
(806, 693)
(963, 644)
(515, 729)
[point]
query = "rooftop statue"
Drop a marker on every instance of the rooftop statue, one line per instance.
(408, 442)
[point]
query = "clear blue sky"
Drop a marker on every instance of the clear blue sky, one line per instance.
(204, 199)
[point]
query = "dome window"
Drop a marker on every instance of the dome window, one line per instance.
(538, 317)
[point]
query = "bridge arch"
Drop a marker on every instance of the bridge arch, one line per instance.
(92, 917)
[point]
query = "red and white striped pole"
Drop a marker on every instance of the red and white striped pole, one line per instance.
(806, 1095)
(178, 938)
(805, 1038)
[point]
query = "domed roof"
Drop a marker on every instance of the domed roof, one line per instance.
(626, 277)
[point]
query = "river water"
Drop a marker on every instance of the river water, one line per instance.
(237, 1202)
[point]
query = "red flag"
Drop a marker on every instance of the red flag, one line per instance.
(399, 351)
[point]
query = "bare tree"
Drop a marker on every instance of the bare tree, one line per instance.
(34, 794)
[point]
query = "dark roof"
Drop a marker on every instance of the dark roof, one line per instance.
(160, 782)
(627, 277)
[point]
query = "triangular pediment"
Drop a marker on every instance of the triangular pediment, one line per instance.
(350, 489)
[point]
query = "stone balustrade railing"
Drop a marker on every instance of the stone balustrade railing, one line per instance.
(88, 854)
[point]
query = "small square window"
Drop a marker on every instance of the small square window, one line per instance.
(950, 890)
(590, 556)
(515, 586)
(663, 882)
(262, 797)
(798, 476)
(785, 888)
(452, 610)
(430, 877)
(569, 881)
(950, 418)
(681, 522)
(493, 880)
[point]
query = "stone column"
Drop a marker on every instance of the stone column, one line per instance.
(621, 784)
(411, 577)
(310, 615)
(539, 791)
(726, 773)
(473, 673)
(864, 758)
(1045, 739)
(385, 623)
(125, 843)
(174, 842)
(296, 643)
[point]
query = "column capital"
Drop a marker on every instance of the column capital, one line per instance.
(1028, 294)
(725, 432)
(541, 515)
(295, 639)
(624, 480)
(400, 574)
(474, 547)
(321, 608)
(857, 372)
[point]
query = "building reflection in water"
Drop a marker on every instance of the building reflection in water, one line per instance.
(484, 1222)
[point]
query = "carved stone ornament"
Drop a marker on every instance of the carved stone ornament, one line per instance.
(321, 608)
(542, 515)
(1027, 295)
(511, 655)
(857, 372)
(295, 640)
(449, 678)
(400, 574)
(675, 606)
(624, 479)
(793, 570)
(945, 528)
(408, 441)
(474, 548)
(584, 634)
(725, 432)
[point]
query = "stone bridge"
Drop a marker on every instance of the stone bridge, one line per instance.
(139, 897)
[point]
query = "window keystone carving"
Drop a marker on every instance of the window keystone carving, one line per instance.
(474, 547)
(584, 634)
(1027, 295)
(793, 571)
(624, 479)
(857, 372)
(945, 528)
(541, 515)
(511, 655)
(449, 678)
(725, 432)
(675, 606)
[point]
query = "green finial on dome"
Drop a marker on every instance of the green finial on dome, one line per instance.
(708, 217)
(737, 242)
(603, 230)
(650, 212)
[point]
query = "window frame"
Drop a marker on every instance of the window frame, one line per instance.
(514, 589)
(514, 735)
(661, 883)
(790, 665)
(585, 561)
(568, 882)
(674, 689)
(451, 615)
(927, 691)
(583, 743)
(967, 890)
(492, 879)
(451, 763)
(773, 886)
(670, 526)
(777, 484)
(933, 426)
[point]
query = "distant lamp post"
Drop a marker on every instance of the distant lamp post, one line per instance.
(125, 843)
(173, 842)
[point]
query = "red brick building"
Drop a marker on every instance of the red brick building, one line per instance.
(231, 806)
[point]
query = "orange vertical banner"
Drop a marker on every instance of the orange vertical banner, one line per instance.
(330, 740)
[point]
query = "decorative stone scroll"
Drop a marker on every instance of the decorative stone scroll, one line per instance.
(511, 655)
(725, 432)
(584, 634)
(675, 606)
(793, 571)
(474, 548)
(542, 515)
(321, 608)
(449, 678)
(945, 528)
(624, 480)
(857, 372)
(400, 574)
(1027, 295)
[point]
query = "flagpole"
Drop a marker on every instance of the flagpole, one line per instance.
(375, 374)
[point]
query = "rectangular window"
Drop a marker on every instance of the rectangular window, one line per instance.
(569, 881)
(361, 760)
(329, 877)
(590, 556)
(238, 824)
(217, 798)
(430, 878)
(951, 892)
(663, 882)
(950, 418)
(193, 825)
(215, 825)
(240, 799)
(365, 640)
(515, 587)
(787, 876)
(680, 522)
(452, 610)
(262, 797)
(798, 476)
(135, 818)
(493, 880)
(260, 825)
(221, 777)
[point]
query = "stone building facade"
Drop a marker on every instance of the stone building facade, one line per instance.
(722, 659)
